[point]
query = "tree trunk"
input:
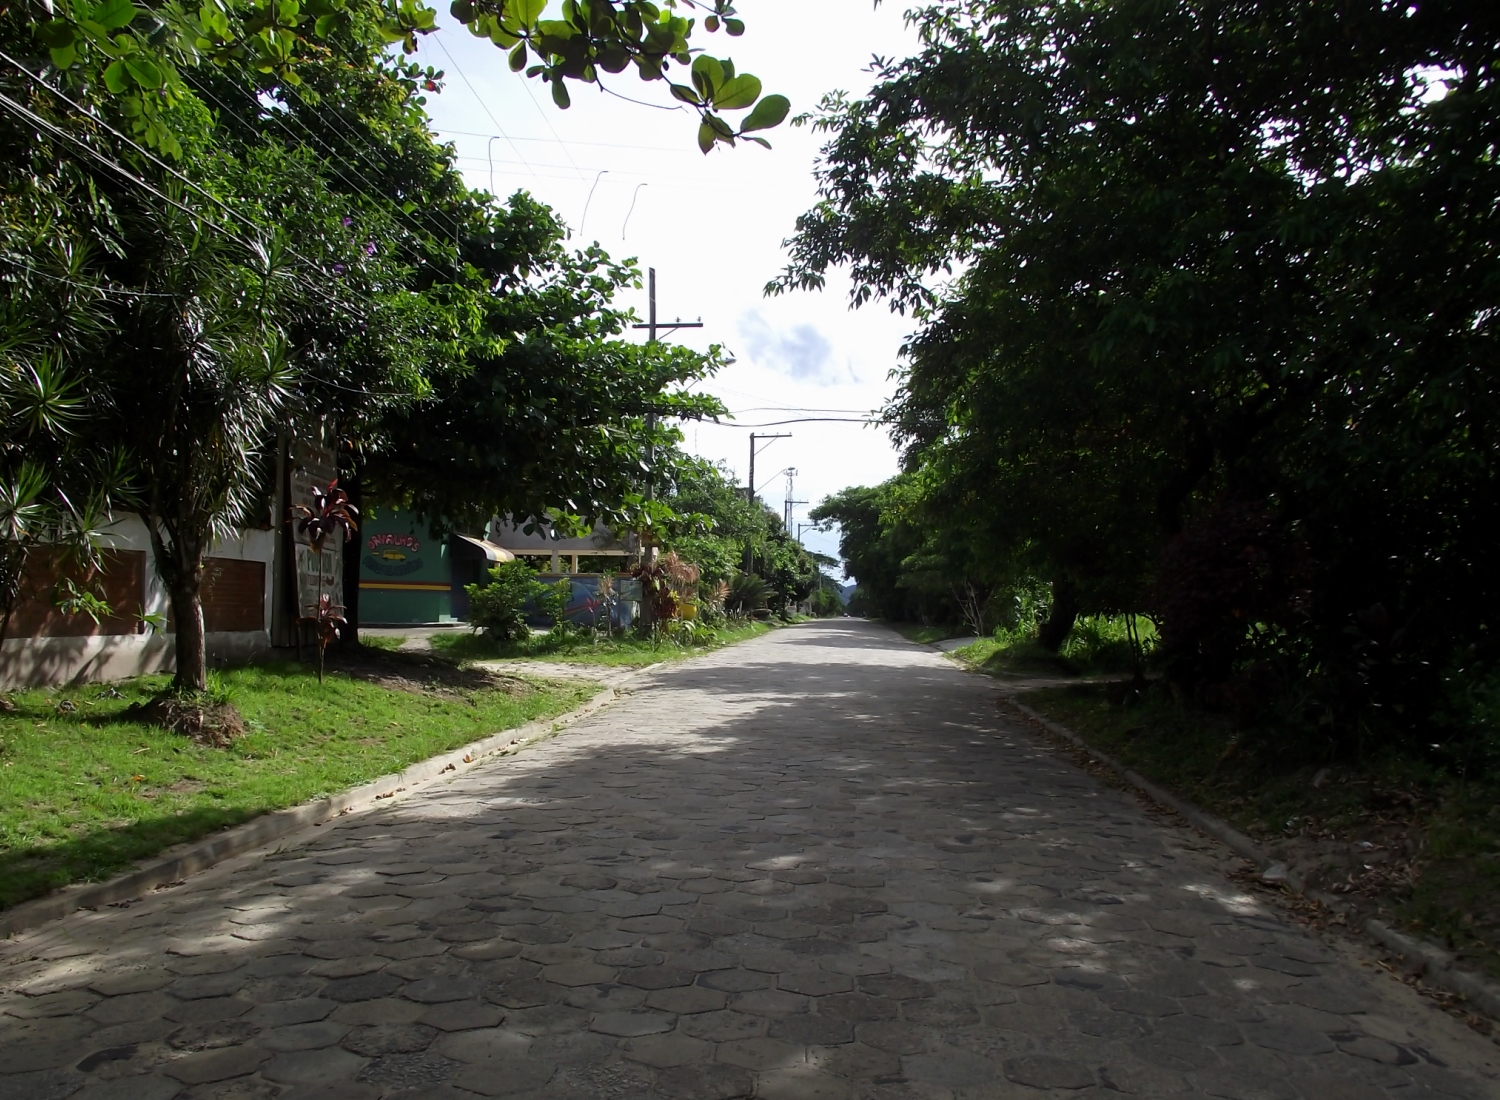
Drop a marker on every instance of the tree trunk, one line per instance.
(1062, 616)
(179, 564)
(192, 658)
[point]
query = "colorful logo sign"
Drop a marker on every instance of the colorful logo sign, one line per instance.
(392, 555)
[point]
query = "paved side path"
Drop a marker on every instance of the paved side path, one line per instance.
(816, 865)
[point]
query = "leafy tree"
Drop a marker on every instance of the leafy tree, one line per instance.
(135, 57)
(384, 291)
(717, 528)
(1216, 260)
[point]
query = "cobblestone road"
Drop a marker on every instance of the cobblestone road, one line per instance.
(814, 865)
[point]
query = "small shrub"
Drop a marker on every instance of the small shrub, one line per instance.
(499, 608)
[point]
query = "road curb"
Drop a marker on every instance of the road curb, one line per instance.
(1418, 956)
(179, 862)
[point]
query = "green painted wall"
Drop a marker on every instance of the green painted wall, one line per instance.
(404, 572)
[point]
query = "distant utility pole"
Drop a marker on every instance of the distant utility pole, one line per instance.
(803, 527)
(652, 328)
(769, 438)
(786, 507)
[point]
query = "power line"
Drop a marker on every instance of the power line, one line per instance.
(480, 100)
(795, 409)
(364, 185)
(805, 420)
(569, 141)
(89, 286)
(151, 157)
(126, 173)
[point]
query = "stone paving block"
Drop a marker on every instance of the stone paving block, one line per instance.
(383, 1010)
(329, 1066)
(505, 1077)
(705, 1082)
(130, 1007)
(130, 981)
(632, 1023)
(815, 983)
(761, 1054)
(209, 1008)
(308, 1036)
(950, 1067)
(215, 1065)
(578, 973)
(664, 1051)
(655, 977)
(144, 1087)
(461, 1015)
(687, 1000)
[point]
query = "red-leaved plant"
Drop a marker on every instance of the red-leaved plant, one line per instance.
(330, 512)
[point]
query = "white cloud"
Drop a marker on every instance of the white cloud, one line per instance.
(800, 351)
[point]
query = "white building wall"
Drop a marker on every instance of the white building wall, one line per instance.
(30, 662)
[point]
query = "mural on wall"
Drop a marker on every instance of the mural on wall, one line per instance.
(393, 555)
(313, 466)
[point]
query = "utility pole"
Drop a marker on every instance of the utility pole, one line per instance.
(786, 507)
(769, 438)
(651, 331)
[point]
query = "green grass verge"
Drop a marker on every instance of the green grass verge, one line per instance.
(385, 642)
(571, 649)
(84, 791)
(922, 635)
(1288, 795)
(1097, 644)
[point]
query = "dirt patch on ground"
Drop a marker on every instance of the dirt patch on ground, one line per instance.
(420, 672)
(201, 720)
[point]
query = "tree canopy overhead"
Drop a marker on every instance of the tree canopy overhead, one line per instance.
(137, 57)
(1207, 295)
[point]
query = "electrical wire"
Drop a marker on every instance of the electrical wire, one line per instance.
(120, 169)
(89, 286)
(480, 100)
(364, 185)
(28, 113)
(806, 420)
(571, 141)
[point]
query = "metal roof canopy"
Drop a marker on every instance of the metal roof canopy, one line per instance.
(491, 551)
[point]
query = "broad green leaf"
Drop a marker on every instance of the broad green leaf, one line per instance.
(114, 14)
(711, 72)
(64, 56)
(143, 72)
(613, 58)
(769, 112)
(115, 77)
(56, 34)
(684, 93)
(324, 25)
(518, 57)
(707, 136)
(736, 27)
(710, 23)
(560, 94)
(462, 10)
(738, 93)
(528, 11)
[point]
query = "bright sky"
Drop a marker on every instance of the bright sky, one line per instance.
(712, 226)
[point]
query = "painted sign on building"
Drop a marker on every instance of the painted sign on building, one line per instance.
(393, 555)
